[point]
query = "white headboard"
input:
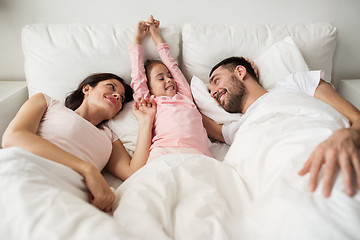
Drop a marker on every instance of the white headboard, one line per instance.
(344, 15)
(59, 56)
(204, 45)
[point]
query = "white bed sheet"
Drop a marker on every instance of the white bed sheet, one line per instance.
(255, 193)
(217, 149)
(41, 199)
(269, 149)
(183, 196)
(178, 196)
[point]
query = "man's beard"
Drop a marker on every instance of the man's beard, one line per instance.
(237, 96)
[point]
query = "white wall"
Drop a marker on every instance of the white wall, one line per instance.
(345, 15)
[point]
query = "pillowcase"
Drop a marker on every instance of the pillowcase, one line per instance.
(280, 60)
(59, 56)
(125, 126)
(205, 44)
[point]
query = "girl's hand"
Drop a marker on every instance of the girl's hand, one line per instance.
(144, 109)
(142, 31)
(100, 194)
(154, 29)
(153, 25)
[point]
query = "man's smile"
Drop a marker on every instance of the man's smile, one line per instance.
(220, 96)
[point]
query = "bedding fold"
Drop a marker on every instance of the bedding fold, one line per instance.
(270, 148)
(41, 199)
(183, 196)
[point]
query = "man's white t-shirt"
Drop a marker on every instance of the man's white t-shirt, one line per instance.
(305, 82)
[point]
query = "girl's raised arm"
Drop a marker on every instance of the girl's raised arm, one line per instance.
(166, 57)
(138, 76)
(154, 29)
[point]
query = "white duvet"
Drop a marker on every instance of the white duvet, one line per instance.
(270, 147)
(254, 194)
(187, 196)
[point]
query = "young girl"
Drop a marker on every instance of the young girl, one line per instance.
(73, 135)
(178, 124)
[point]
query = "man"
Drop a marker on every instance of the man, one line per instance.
(234, 84)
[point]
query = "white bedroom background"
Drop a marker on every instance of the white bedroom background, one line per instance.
(14, 14)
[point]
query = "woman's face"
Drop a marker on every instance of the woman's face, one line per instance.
(107, 96)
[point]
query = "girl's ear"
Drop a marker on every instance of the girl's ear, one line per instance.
(240, 72)
(86, 89)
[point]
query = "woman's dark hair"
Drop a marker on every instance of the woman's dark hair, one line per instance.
(75, 98)
(231, 63)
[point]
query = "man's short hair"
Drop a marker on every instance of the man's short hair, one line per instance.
(232, 62)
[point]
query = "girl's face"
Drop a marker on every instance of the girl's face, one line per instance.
(107, 95)
(161, 82)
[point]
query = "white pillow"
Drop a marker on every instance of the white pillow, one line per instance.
(125, 126)
(204, 45)
(59, 56)
(277, 62)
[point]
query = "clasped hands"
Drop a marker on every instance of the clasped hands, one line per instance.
(144, 27)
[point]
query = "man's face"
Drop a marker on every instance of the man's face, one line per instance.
(227, 90)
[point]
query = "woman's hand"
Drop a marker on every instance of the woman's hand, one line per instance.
(100, 194)
(144, 109)
(142, 31)
(340, 150)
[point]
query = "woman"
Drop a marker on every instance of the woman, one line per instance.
(77, 138)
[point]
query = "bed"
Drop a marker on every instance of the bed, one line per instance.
(249, 190)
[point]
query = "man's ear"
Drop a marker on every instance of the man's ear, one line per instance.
(240, 72)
